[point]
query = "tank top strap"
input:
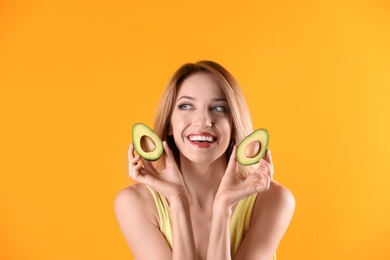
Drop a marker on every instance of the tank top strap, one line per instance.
(240, 222)
(164, 215)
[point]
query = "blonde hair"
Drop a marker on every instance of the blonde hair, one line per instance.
(238, 108)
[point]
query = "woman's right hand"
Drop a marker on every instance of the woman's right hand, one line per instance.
(168, 182)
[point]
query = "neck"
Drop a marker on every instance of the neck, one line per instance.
(202, 180)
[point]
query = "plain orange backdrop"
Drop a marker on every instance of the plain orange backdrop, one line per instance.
(76, 75)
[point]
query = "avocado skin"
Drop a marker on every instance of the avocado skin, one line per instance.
(139, 130)
(260, 135)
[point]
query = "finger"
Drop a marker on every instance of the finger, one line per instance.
(148, 166)
(169, 158)
(130, 152)
(264, 168)
(261, 182)
(133, 162)
(134, 159)
(268, 157)
(265, 181)
(232, 165)
(134, 170)
(252, 184)
(140, 175)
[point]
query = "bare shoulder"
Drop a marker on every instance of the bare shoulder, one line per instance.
(133, 192)
(138, 220)
(278, 200)
(277, 193)
(135, 198)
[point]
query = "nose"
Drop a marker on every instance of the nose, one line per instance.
(203, 119)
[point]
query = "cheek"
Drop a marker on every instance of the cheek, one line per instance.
(227, 126)
(226, 131)
(176, 124)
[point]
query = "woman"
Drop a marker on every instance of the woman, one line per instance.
(197, 202)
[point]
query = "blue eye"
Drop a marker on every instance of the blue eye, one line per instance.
(185, 107)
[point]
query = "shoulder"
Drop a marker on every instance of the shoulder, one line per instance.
(135, 198)
(135, 191)
(138, 220)
(277, 193)
(278, 200)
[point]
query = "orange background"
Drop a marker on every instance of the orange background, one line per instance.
(75, 76)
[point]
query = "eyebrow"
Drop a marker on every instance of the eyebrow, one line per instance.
(193, 98)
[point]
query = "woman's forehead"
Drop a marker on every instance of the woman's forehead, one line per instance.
(201, 85)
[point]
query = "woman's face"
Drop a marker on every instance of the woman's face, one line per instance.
(201, 123)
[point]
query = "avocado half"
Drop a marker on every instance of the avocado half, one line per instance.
(253, 147)
(146, 142)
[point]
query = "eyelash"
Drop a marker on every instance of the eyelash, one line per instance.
(181, 106)
(224, 110)
(214, 108)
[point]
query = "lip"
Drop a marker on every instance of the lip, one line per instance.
(200, 144)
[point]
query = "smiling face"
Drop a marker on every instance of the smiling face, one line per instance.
(201, 123)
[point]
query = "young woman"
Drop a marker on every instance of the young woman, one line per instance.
(197, 202)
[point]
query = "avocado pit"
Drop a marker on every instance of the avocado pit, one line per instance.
(147, 144)
(252, 149)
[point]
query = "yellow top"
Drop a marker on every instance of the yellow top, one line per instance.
(239, 222)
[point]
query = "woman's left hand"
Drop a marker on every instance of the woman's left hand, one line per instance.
(235, 186)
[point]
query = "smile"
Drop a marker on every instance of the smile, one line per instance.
(201, 140)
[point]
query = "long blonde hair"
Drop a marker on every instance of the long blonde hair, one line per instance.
(241, 120)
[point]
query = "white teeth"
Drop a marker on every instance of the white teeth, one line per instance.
(201, 138)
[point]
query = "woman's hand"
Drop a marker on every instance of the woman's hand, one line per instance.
(234, 186)
(168, 182)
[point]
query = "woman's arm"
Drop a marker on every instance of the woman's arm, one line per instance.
(271, 217)
(233, 188)
(272, 214)
(138, 222)
(183, 242)
(219, 241)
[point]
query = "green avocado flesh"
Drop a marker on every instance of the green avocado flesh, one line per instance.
(146, 142)
(253, 147)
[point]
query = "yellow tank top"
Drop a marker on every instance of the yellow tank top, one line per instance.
(239, 222)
